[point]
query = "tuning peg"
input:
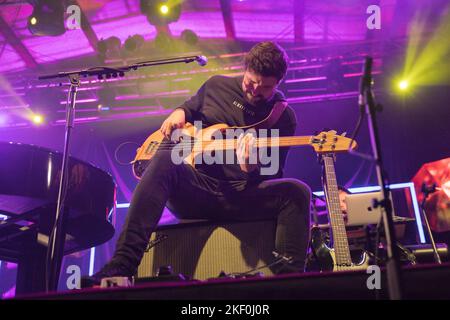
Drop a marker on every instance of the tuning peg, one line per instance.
(344, 133)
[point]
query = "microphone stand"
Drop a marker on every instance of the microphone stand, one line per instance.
(55, 248)
(366, 100)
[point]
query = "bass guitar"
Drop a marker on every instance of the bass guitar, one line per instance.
(198, 141)
(338, 257)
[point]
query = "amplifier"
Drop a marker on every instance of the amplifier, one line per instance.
(202, 250)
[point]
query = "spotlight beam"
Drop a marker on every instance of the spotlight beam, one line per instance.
(430, 65)
(436, 48)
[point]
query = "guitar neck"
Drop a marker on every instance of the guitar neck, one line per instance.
(340, 239)
(228, 144)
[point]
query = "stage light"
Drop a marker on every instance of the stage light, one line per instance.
(101, 107)
(134, 43)
(47, 18)
(164, 9)
(37, 119)
(189, 36)
(403, 85)
(161, 12)
(3, 120)
(109, 47)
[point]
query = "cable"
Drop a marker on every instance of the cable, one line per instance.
(280, 258)
(256, 269)
(117, 150)
(357, 128)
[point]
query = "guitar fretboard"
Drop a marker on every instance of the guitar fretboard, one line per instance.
(227, 144)
(340, 241)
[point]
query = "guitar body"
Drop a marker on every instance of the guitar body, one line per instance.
(362, 264)
(323, 257)
(145, 153)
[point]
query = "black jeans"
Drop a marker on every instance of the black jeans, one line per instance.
(191, 194)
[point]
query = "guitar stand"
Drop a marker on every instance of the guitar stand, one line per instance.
(372, 247)
(427, 190)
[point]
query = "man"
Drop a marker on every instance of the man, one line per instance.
(235, 191)
(320, 211)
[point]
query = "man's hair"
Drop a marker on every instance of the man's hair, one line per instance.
(342, 188)
(267, 59)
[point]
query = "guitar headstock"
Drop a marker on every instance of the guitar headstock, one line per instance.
(330, 141)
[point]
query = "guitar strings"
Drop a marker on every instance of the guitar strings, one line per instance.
(261, 142)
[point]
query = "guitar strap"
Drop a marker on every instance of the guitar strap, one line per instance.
(275, 114)
(272, 118)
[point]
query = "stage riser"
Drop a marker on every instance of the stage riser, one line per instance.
(418, 283)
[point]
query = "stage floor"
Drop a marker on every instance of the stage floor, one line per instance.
(418, 282)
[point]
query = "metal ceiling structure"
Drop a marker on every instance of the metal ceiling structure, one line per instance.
(313, 32)
(238, 20)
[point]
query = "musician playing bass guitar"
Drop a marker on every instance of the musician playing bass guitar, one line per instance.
(239, 191)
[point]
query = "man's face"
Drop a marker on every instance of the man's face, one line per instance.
(342, 203)
(257, 88)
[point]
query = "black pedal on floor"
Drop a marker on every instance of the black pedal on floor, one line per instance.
(164, 274)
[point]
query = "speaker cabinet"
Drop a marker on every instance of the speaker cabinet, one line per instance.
(202, 250)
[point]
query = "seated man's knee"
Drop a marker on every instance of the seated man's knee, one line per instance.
(298, 192)
(160, 164)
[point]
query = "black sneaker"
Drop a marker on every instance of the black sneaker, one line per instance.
(111, 269)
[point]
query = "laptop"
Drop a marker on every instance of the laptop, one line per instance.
(360, 210)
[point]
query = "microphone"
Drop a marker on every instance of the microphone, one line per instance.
(365, 81)
(201, 60)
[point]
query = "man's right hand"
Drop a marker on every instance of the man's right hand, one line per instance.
(177, 119)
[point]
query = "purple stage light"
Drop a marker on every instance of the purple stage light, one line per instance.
(3, 119)
(80, 101)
